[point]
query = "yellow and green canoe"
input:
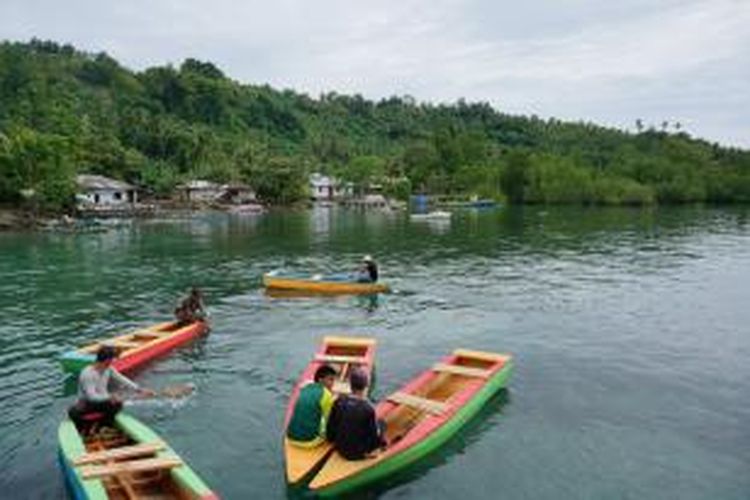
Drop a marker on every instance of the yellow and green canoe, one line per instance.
(128, 461)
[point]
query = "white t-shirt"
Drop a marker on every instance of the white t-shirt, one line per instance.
(93, 385)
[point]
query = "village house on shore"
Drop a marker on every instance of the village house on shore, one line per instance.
(201, 191)
(327, 188)
(98, 190)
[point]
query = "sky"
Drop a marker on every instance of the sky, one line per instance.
(609, 62)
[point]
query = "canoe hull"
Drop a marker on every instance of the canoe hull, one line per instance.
(423, 447)
(130, 360)
(322, 286)
(71, 447)
(301, 462)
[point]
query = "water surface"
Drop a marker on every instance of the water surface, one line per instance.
(629, 329)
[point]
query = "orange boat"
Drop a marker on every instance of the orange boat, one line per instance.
(420, 417)
(319, 284)
(136, 348)
(342, 354)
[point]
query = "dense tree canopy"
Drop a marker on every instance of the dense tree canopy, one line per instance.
(64, 112)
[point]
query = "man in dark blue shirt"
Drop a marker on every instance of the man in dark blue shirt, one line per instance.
(352, 426)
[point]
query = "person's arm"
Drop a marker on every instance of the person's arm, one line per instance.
(326, 403)
(123, 381)
(333, 422)
(376, 440)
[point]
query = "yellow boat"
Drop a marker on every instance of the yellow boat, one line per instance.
(342, 354)
(321, 284)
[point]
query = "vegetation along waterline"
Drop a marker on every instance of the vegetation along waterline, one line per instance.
(64, 112)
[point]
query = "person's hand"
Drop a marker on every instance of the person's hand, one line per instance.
(149, 393)
(115, 399)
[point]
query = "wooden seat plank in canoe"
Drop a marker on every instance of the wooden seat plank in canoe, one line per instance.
(461, 370)
(147, 335)
(330, 358)
(481, 355)
(120, 453)
(428, 405)
(341, 387)
(332, 340)
(127, 344)
(98, 471)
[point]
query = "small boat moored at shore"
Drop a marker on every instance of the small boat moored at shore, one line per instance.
(321, 284)
(127, 462)
(342, 354)
(420, 417)
(136, 348)
(435, 215)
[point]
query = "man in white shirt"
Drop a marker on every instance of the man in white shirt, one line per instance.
(93, 390)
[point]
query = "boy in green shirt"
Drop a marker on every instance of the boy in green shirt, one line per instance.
(308, 423)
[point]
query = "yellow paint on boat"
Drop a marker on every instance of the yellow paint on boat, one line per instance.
(322, 287)
(298, 459)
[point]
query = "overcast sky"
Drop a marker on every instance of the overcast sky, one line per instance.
(607, 61)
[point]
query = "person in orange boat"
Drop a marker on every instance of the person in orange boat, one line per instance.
(352, 427)
(308, 423)
(94, 396)
(191, 308)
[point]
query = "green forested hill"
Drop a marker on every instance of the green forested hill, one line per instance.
(63, 112)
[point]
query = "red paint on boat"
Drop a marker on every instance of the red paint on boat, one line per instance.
(132, 361)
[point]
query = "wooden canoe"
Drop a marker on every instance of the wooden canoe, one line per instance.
(342, 354)
(136, 348)
(321, 284)
(420, 417)
(128, 462)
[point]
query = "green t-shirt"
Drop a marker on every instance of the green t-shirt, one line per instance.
(310, 413)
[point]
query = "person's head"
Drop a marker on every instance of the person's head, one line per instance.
(358, 380)
(196, 293)
(105, 355)
(325, 375)
(367, 259)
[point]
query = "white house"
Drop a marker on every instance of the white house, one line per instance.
(323, 187)
(103, 191)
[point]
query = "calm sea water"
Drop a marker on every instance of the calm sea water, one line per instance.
(629, 328)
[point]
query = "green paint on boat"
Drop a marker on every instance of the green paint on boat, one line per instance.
(74, 362)
(426, 446)
(71, 447)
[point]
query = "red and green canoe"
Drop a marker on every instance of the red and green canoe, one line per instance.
(128, 462)
(136, 348)
(342, 354)
(420, 417)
